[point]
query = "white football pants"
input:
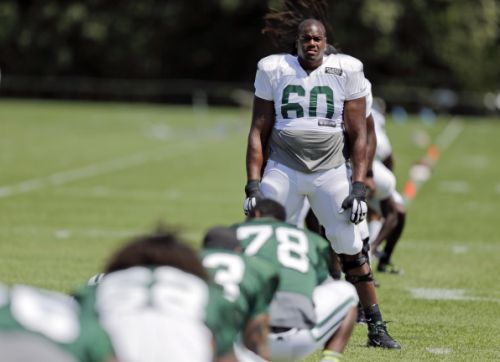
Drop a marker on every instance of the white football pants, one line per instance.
(332, 301)
(325, 191)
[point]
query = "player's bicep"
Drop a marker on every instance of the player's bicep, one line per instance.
(263, 115)
(354, 115)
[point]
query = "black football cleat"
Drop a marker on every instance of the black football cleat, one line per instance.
(379, 337)
(388, 268)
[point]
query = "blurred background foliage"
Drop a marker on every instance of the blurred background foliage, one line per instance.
(449, 44)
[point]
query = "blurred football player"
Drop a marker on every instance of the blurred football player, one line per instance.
(309, 310)
(154, 301)
(387, 210)
(248, 282)
(41, 325)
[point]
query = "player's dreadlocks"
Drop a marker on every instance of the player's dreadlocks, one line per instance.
(281, 25)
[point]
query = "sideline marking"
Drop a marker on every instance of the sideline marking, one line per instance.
(99, 168)
(459, 187)
(472, 245)
(460, 249)
(63, 233)
(449, 134)
(446, 294)
(439, 350)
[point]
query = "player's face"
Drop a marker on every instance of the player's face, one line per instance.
(311, 43)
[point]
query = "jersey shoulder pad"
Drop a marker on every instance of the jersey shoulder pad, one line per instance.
(272, 62)
(349, 63)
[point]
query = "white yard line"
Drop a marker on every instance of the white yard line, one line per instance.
(439, 350)
(63, 233)
(101, 192)
(449, 134)
(459, 187)
(66, 233)
(450, 245)
(447, 294)
(99, 168)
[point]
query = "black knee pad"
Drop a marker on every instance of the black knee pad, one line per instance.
(355, 279)
(348, 265)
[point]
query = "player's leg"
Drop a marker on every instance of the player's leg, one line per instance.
(312, 224)
(331, 189)
(384, 203)
(336, 310)
(374, 224)
(280, 183)
(302, 217)
(392, 239)
(243, 354)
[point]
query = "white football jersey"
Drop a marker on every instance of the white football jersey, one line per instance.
(155, 314)
(307, 134)
(384, 148)
(314, 100)
(369, 98)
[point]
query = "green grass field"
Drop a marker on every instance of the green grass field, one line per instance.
(78, 179)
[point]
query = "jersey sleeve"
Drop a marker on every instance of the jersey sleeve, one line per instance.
(369, 99)
(263, 88)
(99, 347)
(267, 70)
(267, 280)
(222, 320)
(324, 257)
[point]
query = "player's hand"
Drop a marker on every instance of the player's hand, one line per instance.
(356, 201)
(252, 190)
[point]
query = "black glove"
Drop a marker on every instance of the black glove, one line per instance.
(356, 201)
(252, 190)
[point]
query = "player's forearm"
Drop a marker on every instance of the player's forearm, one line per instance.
(371, 144)
(255, 336)
(355, 121)
(358, 156)
(262, 123)
(255, 157)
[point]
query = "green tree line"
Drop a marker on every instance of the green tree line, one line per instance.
(421, 43)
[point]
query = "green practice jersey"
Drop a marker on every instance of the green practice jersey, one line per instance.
(51, 322)
(249, 283)
(223, 320)
(300, 256)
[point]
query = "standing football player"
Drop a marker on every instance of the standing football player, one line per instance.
(302, 106)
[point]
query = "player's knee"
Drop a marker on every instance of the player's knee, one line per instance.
(356, 268)
(344, 240)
